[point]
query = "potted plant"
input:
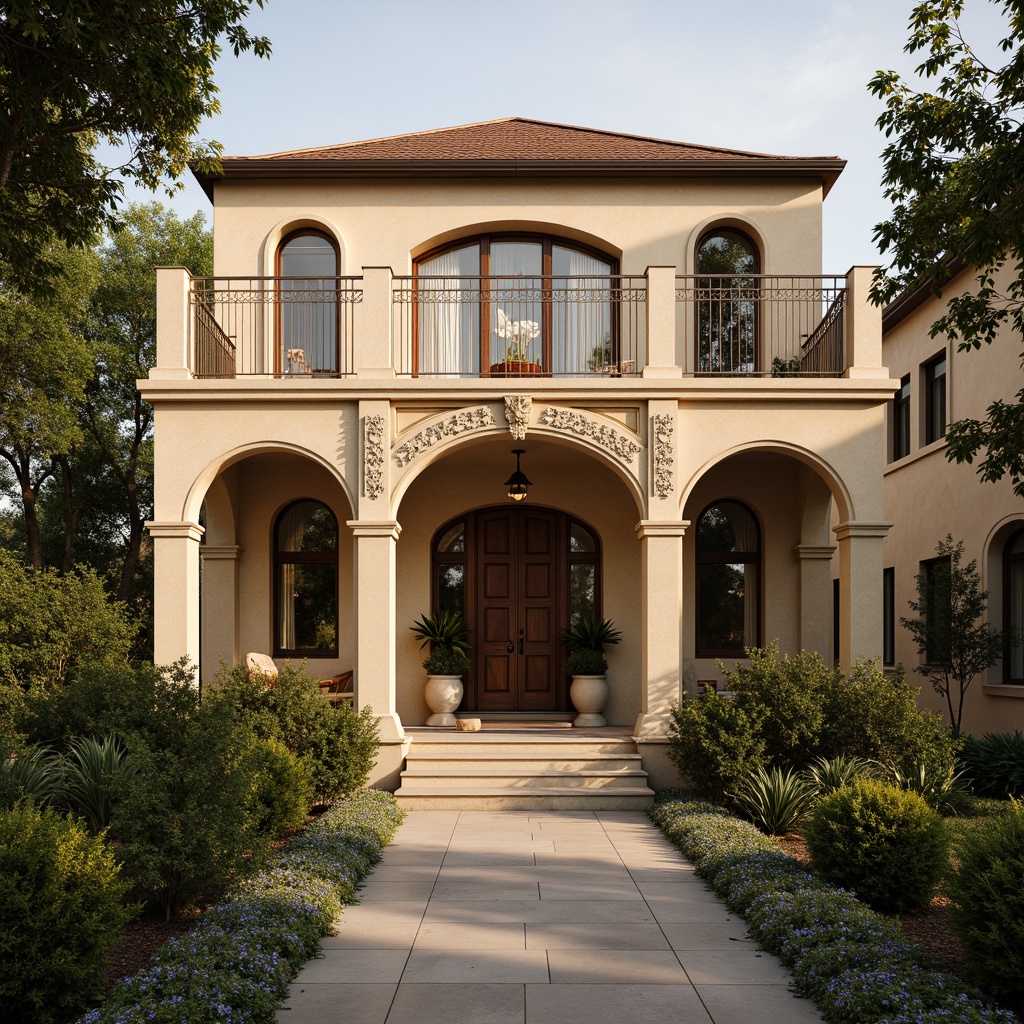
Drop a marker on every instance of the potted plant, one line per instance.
(446, 664)
(586, 640)
(517, 334)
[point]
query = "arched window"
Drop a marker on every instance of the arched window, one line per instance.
(307, 304)
(306, 581)
(1013, 604)
(507, 305)
(728, 561)
(727, 326)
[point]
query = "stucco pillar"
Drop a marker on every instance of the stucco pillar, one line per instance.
(815, 587)
(661, 323)
(173, 336)
(373, 355)
(219, 607)
(860, 590)
(374, 545)
(661, 615)
(176, 594)
(862, 327)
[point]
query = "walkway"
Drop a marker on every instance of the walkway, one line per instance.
(535, 917)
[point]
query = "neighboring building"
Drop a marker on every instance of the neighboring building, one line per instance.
(646, 320)
(928, 497)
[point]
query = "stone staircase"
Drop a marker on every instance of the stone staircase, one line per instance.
(523, 770)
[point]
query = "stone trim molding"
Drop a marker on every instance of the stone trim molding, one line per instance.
(458, 423)
(184, 529)
(518, 409)
(387, 528)
(662, 455)
(227, 552)
(373, 457)
(583, 426)
(822, 551)
(845, 531)
(660, 528)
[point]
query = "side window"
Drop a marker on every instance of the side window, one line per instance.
(306, 581)
(728, 563)
(1013, 604)
(584, 561)
(450, 570)
(901, 420)
(727, 327)
(889, 616)
(935, 399)
(307, 307)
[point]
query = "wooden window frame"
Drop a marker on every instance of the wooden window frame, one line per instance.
(935, 404)
(901, 420)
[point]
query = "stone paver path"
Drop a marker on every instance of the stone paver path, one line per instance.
(539, 917)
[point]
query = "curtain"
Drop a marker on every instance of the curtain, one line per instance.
(744, 532)
(581, 314)
(291, 528)
(517, 296)
(448, 315)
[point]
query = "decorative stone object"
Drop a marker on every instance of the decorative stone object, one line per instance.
(583, 426)
(373, 457)
(589, 694)
(662, 455)
(443, 695)
(517, 411)
(459, 423)
(468, 725)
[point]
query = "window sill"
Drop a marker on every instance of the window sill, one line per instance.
(923, 452)
(1003, 690)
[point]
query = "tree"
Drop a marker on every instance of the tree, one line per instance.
(955, 174)
(949, 629)
(75, 73)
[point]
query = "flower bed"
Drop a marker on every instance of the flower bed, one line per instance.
(234, 967)
(847, 958)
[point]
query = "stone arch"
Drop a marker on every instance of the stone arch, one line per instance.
(274, 237)
(541, 227)
(737, 222)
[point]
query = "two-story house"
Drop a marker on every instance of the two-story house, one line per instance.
(641, 326)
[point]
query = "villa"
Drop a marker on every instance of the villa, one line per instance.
(641, 327)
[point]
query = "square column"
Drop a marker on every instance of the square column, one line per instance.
(176, 596)
(374, 575)
(219, 607)
(815, 587)
(661, 614)
(860, 590)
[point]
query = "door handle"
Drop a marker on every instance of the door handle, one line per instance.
(511, 647)
(520, 645)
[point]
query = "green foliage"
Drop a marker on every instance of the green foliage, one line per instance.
(987, 889)
(956, 147)
(827, 774)
(715, 743)
(586, 640)
(142, 77)
(994, 765)
(448, 637)
(92, 770)
(31, 773)
(585, 662)
(61, 910)
(51, 624)
(886, 844)
(950, 628)
(776, 801)
(940, 789)
(282, 788)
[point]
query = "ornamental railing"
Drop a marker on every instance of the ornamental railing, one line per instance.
(761, 325)
(568, 326)
(273, 327)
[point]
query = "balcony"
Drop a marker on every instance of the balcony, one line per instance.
(589, 328)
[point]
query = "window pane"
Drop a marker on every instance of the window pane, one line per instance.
(727, 306)
(308, 320)
(451, 588)
(454, 541)
(581, 540)
(726, 252)
(582, 592)
(517, 311)
(723, 605)
(448, 310)
(307, 526)
(309, 606)
(889, 616)
(310, 257)
(727, 526)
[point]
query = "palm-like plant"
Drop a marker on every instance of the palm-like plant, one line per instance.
(776, 801)
(586, 640)
(448, 636)
(91, 769)
(827, 774)
(35, 773)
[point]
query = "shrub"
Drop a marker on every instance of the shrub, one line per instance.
(827, 774)
(886, 844)
(282, 789)
(994, 765)
(714, 743)
(61, 908)
(776, 801)
(987, 888)
(939, 788)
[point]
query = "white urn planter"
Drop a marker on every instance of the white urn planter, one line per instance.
(444, 695)
(589, 694)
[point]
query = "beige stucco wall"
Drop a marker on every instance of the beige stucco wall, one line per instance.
(927, 497)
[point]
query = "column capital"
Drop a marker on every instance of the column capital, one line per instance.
(822, 551)
(849, 529)
(215, 551)
(390, 528)
(169, 528)
(661, 528)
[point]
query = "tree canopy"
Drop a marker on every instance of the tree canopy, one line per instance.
(954, 171)
(137, 74)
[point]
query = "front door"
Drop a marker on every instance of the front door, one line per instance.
(516, 652)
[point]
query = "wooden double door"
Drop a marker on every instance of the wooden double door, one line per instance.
(517, 610)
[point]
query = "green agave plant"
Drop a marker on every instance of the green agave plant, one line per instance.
(588, 634)
(994, 764)
(827, 774)
(35, 773)
(776, 801)
(448, 637)
(941, 790)
(90, 771)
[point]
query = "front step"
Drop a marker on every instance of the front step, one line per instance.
(528, 770)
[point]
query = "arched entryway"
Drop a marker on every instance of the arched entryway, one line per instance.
(519, 574)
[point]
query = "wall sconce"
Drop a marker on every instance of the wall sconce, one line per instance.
(517, 482)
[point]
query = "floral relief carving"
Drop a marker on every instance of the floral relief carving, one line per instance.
(600, 433)
(662, 455)
(517, 411)
(459, 423)
(373, 456)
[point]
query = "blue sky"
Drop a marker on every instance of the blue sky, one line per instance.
(787, 77)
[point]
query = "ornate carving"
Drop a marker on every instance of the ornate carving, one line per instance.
(517, 412)
(459, 423)
(605, 436)
(373, 456)
(662, 455)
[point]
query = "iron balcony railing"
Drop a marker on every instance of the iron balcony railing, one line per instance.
(273, 326)
(761, 325)
(519, 326)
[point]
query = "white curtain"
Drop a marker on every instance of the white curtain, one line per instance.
(581, 314)
(290, 530)
(447, 340)
(744, 532)
(517, 296)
